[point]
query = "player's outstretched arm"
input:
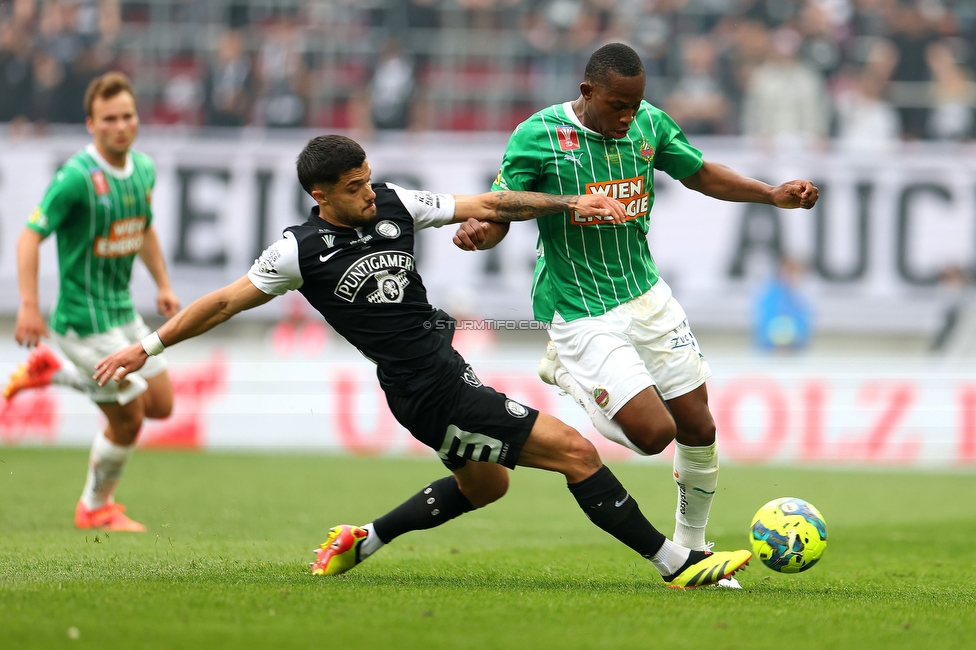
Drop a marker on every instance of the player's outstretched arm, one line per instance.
(508, 206)
(721, 182)
(198, 317)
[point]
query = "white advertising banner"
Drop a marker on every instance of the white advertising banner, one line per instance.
(874, 248)
(297, 390)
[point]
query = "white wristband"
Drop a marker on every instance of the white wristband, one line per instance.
(152, 345)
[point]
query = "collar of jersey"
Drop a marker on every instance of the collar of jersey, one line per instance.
(112, 170)
(571, 115)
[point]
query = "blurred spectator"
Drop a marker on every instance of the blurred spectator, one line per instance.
(912, 36)
(560, 34)
(957, 335)
(698, 103)
(783, 319)
(283, 98)
(786, 99)
(228, 86)
(15, 75)
(392, 90)
(47, 76)
(952, 116)
(865, 120)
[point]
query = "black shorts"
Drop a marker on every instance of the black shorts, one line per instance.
(465, 420)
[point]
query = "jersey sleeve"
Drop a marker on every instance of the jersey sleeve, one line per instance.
(521, 167)
(426, 208)
(675, 156)
(277, 271)
(68, 190)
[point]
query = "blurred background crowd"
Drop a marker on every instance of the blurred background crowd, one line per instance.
(862, 73)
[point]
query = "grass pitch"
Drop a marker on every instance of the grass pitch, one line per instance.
(225, 561)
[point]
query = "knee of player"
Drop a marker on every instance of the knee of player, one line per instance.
(159, 410)
(655, 436)
(582, 450)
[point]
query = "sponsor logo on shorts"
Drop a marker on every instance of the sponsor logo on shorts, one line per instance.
(470, 378)
(601, 396)
(515, 409)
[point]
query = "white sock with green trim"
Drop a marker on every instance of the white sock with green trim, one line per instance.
(696, 473)
(607, 427)
(105, 465)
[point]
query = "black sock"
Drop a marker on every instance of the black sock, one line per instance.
(610, 506)
(437, 503)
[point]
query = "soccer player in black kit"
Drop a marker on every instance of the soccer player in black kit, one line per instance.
(353, 261)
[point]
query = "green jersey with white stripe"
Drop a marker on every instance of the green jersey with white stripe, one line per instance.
(100, 214)
(588, 266)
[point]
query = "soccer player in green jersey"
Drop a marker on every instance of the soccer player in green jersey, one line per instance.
(621, 345)
(99, 207)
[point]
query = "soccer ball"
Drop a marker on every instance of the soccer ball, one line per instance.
(789, 535)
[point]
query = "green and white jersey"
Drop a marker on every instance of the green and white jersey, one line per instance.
(100, 214)
(587, 266)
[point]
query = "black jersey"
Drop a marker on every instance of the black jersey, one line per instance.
(365, 283)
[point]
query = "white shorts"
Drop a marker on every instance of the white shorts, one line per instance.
(641, 343)
(87, 351)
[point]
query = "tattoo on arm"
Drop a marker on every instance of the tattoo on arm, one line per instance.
(522, 206)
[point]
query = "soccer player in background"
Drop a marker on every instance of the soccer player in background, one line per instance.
(620, 343)
(99, 207)
(353, 261)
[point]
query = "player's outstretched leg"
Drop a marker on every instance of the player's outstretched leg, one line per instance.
(472, 486)
(555, 446)
(553, 372)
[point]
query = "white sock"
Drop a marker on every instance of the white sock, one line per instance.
(371, 544)
(696, 473)
(68, 375)
(607, 427)
(105, 465)
(670, 558)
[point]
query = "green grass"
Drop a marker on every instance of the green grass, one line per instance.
(224, 563)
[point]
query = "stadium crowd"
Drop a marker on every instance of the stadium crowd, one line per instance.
(864, 73)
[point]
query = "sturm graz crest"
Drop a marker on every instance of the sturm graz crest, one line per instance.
(389, 288)
(388, 229)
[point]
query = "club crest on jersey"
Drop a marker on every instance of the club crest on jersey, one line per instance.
(99, 182)
(389, 269)
(646, 149)
(568, 138)
(388, 229)
(601, 396)
(389, 288)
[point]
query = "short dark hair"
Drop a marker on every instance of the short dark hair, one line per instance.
(106, 86)
(614, 58)
(327, 157)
